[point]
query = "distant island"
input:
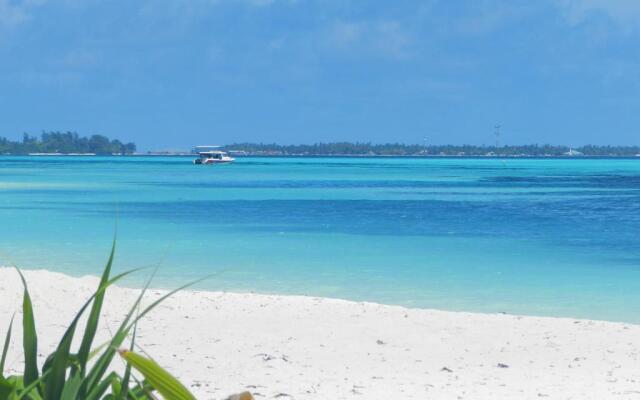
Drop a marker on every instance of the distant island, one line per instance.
(59, 143)
(399, 149)
(65, 143)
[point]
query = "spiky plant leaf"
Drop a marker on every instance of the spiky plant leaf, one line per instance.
(94, 316)
(95, 374)
(166, 384)
(124, 387)
(103, 362)
(7, 388)
(29, 336)
(71, 386)
(101, 387)
(5, 348)
(30, 391)
(61, 360)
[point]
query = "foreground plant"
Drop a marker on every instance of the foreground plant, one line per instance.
(168, 386)
(69, 376)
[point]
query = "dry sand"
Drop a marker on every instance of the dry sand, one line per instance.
(293, 347)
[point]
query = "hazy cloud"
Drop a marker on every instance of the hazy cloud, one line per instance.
(388, 39)
(625, 13)
(485, 17)
(13, 13)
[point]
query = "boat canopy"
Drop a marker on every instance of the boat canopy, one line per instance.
(199, 149)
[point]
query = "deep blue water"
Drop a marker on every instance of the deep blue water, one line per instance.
(554, 237)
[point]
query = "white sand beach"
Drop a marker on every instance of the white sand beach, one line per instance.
(293, 347)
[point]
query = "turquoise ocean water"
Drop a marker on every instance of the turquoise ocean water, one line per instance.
(558, 237)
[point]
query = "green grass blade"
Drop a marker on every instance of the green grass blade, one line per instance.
(6, 389)
(94, 316)
(56, 382)
(101, 365)
(5, 348)
(103, 362)
(101, 387)
(58, 367)
(30, 389)
(29, 336)
(124, 391)
(70, 391)
(143, 390)
(166, 384)
(116, 387)
(97, 350)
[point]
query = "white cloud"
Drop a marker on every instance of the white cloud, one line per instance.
(625, 13)
(15, 13)
(388, 39)
(346, 34)
(260, 3)
(81, 58)
(12, 13)
(484, 17)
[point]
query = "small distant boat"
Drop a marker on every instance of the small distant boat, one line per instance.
(213, 157)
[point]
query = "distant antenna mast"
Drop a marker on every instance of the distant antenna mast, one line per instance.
(497, 134)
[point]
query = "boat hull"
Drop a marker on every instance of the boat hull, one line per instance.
(211, 162)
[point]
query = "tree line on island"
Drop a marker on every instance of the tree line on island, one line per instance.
(71, 142)
(399, 149)
(65, 143)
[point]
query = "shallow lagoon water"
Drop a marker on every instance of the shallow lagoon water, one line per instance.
(557, 237)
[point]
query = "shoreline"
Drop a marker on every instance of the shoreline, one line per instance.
(401, 156)
(299, 347)
(162, 285)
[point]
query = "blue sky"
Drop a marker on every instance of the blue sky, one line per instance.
(175, 73)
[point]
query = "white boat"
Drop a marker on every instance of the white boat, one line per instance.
(572, 153)
(213, 157)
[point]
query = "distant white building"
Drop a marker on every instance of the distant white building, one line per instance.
(572, 153)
